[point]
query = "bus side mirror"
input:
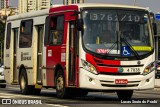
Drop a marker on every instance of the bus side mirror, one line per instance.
(154, 25)
(80, 24)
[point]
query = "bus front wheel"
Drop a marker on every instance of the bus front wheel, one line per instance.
(61, 91)
(125, 94)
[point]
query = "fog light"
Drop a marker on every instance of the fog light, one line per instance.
(90, 79)
(147, 80)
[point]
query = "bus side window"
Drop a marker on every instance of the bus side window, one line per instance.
(25, 38)
(56, 30)
(46, 31)
(8, 36)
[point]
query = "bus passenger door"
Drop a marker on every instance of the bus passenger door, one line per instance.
(73, 61)
(15, 42)
(39, 53)
(7, 71)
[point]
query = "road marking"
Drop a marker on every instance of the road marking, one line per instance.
(5, 97)
(56, 105)
(13, 95)
(13, 87)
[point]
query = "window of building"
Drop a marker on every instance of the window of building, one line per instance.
(8, 36)
(25, 39)
(73, 1)
(56, 30)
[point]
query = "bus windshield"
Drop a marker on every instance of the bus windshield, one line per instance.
(117, 32)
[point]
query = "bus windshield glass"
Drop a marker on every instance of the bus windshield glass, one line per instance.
(117, 32)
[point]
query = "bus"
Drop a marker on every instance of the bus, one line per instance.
(80, 48)
(157, 45)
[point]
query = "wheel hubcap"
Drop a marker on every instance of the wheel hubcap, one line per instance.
(60, 83)
(23, 83)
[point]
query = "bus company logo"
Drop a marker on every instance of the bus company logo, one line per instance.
(6, 101)
(25, 56)
(120, 70)
(138, 62)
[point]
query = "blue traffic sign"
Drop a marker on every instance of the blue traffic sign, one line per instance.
(157, 16)
(125, 51)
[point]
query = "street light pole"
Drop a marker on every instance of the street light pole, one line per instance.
(134, 2)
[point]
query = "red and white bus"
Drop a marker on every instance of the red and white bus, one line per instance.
(80, 48)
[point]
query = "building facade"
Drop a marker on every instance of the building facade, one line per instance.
(4, 4)
(43, 4)
(32, 5)
(66, 2)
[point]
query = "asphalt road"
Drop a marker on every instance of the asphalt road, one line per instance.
(47, 98)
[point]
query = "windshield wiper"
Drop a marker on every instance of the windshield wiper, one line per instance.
(127, 43)
(111, 48)
(114, 44)
(130, 46)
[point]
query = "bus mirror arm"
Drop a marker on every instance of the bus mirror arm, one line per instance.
(154, 25)
(79, 25)
(76, 13)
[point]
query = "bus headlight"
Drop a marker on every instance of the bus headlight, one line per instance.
(89, 67)
(149, 69)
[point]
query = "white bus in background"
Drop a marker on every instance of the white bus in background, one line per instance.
(156, 19)
(80, 48)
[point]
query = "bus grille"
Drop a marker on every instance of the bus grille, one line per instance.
(120, 74)
(112, 84)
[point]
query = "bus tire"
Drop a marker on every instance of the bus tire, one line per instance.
(24, 87)
(61, 91)
(3, 86)
(125, 94)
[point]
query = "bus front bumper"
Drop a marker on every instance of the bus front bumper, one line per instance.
(88, 80)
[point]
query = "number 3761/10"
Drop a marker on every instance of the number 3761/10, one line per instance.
(114, 17)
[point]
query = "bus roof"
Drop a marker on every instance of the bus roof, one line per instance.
(28, 14)
(83, 5)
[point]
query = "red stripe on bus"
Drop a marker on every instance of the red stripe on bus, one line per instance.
(107, 69)
(94, 61)
(49, 77)
(77, 72)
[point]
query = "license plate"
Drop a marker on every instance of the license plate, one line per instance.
(121, 81)
(133, 70)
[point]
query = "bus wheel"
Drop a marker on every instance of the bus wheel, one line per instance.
(25, 89)
(62, 92)
(125, 94)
